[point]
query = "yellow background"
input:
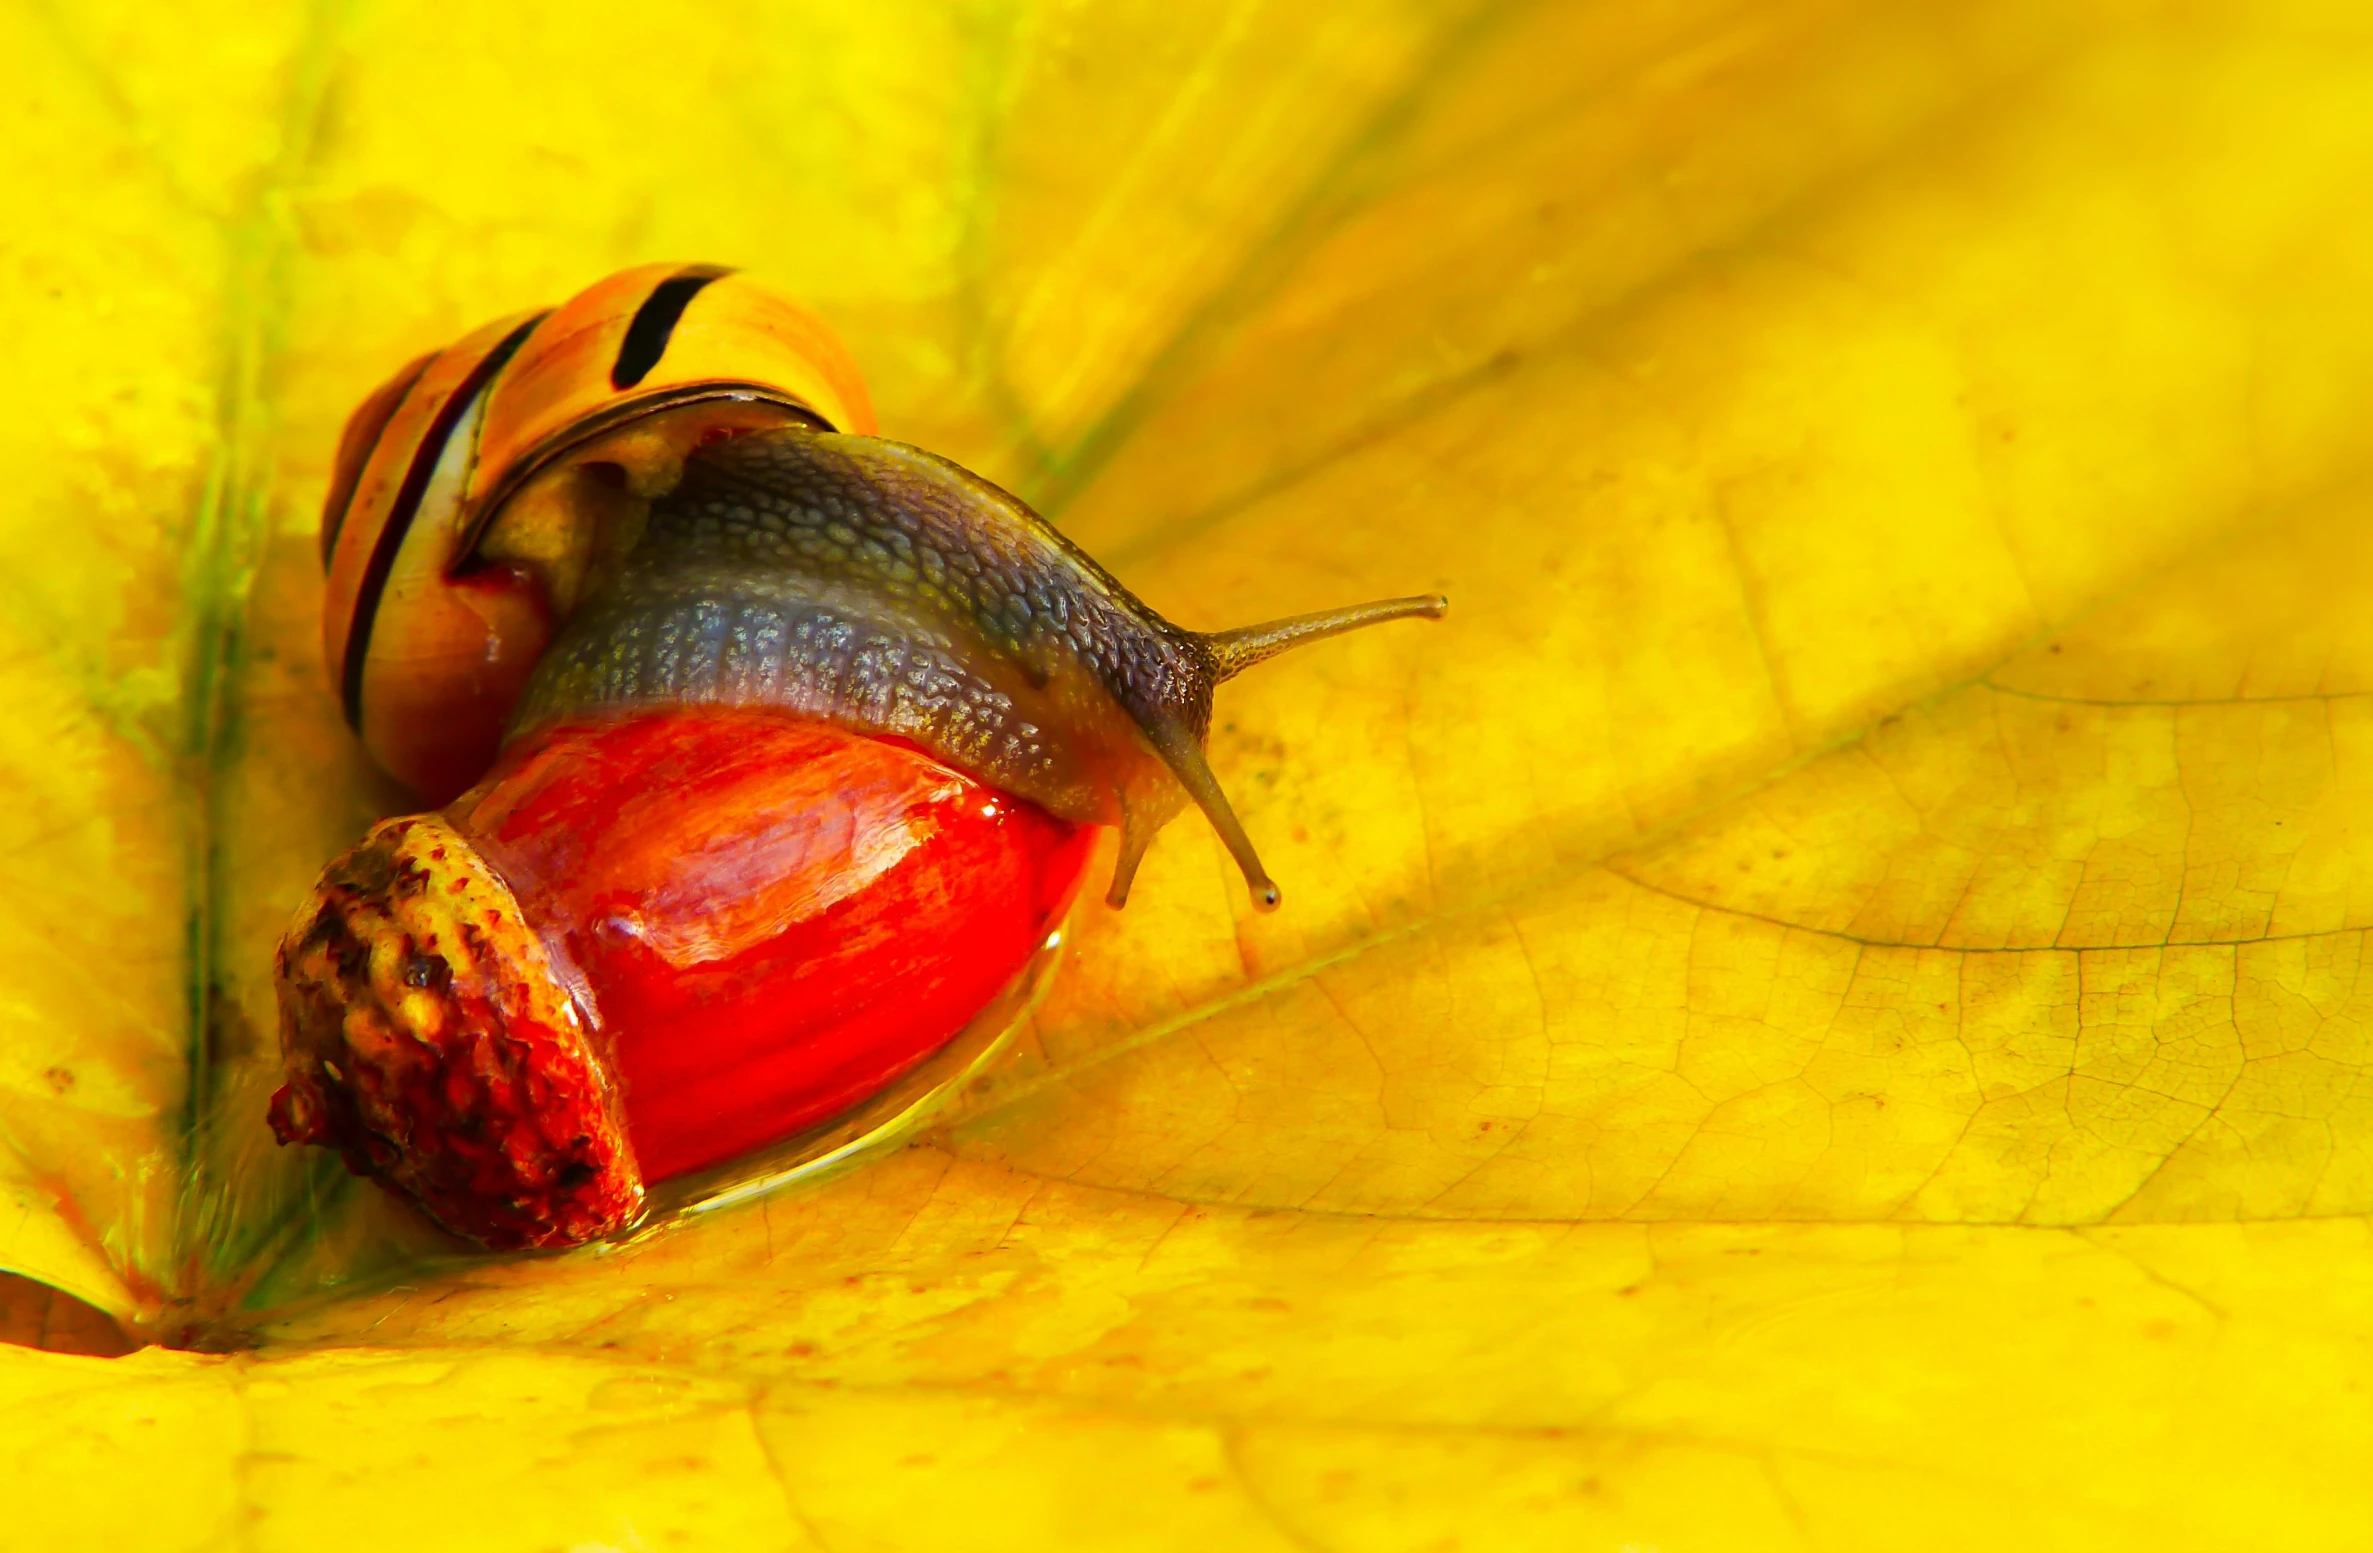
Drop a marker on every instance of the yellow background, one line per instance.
(1820, 1009)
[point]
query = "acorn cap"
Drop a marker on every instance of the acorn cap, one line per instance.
(430, 1038)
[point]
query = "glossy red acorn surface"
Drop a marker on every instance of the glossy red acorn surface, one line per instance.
(774, 917)
(713, 927)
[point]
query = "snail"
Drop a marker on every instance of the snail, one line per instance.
(764, 755)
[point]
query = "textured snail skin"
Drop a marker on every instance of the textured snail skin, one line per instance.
(887, 590)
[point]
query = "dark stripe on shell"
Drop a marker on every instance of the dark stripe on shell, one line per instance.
(390, 540)
(356, 445)
(655, 322)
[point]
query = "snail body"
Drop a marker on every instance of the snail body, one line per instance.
(788, 742)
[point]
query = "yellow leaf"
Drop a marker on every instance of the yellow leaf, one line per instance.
(1820, 1009)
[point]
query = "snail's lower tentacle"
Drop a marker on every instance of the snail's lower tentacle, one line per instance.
(1136, 836)
(1183, 754)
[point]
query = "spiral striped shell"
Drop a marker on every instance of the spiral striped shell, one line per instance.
(431, 622)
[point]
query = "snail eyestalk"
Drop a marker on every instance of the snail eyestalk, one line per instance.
(1184, 757)
(1136, 836)
(1232, 652)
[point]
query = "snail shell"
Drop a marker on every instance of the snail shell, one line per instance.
(428, 634)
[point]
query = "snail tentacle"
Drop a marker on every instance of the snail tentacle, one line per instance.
(1232, 652)
(1184, 755)
(1136, 836)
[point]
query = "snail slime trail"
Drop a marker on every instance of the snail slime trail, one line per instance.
(766, 756)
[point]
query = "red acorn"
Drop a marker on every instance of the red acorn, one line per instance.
(808, 734)
(645, 944)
